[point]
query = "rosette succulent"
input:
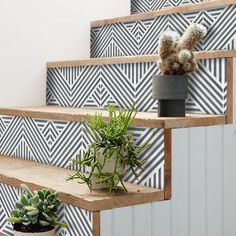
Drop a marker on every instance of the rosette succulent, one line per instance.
(36, 208)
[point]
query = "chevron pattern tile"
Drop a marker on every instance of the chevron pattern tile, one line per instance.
(142, 36)
(126, 84)
(79, 221)
(56, 143)
(140, 6)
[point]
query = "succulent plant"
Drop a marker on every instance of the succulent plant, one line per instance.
(38, 207)
(176, 53)
(117, 141)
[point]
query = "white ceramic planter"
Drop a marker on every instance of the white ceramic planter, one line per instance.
(48, 233)
(108, 168)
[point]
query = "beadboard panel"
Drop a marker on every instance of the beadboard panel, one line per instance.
(203, 191)
(140, 6)
(126, 84)
(79, 221)
(141, 37)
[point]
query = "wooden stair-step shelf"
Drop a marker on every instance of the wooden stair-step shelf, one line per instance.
(165, 11)
(137, 59)
(15, 172)
(143, 119)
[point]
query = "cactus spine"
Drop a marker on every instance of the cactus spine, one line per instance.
(176, 53)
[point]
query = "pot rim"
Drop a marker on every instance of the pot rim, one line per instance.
(161, 76)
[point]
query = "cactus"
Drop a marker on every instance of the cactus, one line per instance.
(38, 207)
(176, 53)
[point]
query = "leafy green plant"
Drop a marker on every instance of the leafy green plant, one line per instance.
(176, 53)
(117, 142)
(38, 207)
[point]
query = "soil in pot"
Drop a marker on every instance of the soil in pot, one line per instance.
(32, 228)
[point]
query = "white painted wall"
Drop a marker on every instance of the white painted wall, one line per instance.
(34, 32)
(204, 189)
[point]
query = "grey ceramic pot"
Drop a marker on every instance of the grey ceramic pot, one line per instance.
(171, 91)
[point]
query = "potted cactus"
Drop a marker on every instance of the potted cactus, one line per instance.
(176, 61)
(35, 213)
(111, 153)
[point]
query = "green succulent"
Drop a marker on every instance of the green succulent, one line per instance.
(117, 140)
(38, 207)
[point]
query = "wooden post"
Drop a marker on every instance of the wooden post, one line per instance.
(168, 163)
(229, 115)
(96, 223)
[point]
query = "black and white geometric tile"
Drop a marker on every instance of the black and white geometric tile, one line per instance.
(79, 221)
(128, 84)
(57, 142)
(140, 6)
(141, 37)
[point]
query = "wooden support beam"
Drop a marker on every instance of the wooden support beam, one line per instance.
(168, 163)
(96, 223)
(229, 115)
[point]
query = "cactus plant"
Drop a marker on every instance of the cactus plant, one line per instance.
(176, 53)
(34, 209)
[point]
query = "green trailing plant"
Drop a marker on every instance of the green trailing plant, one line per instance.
(116, 141)
(176, 53)
(36, 208)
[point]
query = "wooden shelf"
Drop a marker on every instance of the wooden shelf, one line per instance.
(137, 59)
(165, 11)
(15, 171)
(143, 119)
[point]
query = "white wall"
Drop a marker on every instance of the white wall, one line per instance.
(34, 32)
(204, 189)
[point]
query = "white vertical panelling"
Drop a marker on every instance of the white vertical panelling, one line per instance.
(180, 163)
(204, 191)
(123, 221)
(106, 223)
(197, 182)
(229, 191)
(142, 215)
(162, 219)
(214, 172)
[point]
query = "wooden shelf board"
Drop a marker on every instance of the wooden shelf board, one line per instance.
(137, 59)
(15, 171)
(165, 11)
(143, 119)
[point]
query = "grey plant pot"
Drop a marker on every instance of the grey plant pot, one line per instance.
(171, 91)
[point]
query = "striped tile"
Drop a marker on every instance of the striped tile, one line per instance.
(141, 37)
(126, 84)
(140, 6)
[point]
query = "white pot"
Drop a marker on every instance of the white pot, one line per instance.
(108, 167)
(48, 233)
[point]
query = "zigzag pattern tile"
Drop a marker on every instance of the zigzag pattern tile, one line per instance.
(141, 37)
(56, 143)
(126, 84)
(78, 220)
(140, 6)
